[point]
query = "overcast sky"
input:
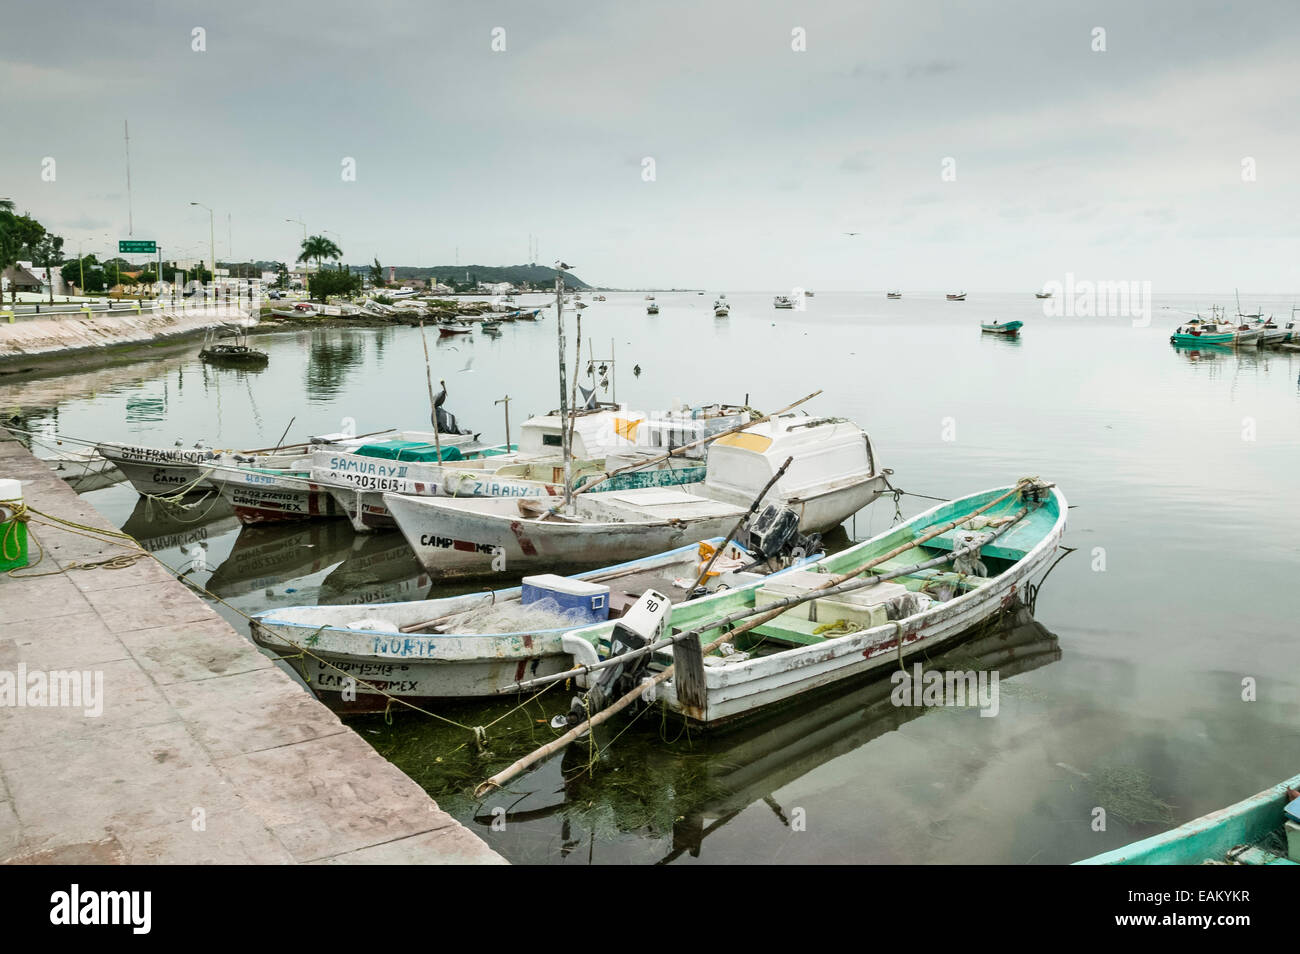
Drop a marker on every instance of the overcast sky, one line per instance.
(1123, 164)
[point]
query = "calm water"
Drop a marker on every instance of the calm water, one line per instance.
(1126, 691)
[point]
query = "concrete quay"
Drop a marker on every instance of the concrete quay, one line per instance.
(205, 751)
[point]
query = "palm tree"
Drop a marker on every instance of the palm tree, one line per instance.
(319, 248)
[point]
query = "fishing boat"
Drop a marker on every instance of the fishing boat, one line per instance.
(604, 438)
(1216, 331)
(894, 294)
(234, 354)
(1269, 332)
(170, 470)
(1261, 830)
(782, 301)
(304, 309)
(906, 592)
(291, 492)
(833, 475)
(721, 308)
(649, 297)
(1008, 328)
(84, 471)
(960, 296)
(450, 328)
(489, 326)
(652, 309)
(477, 644)
(1042, 294)
(534, 314)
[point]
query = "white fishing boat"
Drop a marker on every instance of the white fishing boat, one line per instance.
(906, 592)
(783, 301)
(170, 470)
(84, 470)
(833, 475)
(304, 309)
(479, 643)
(605, 438)
(721, 308)
(289, 491)
(652, 309)
(449, 328)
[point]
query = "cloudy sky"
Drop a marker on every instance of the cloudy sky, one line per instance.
(1121, 164)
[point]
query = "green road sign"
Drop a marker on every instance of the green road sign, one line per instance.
(127, 246)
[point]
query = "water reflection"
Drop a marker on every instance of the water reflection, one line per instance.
(158, 524)
(275, 557)
(654, 784)
(331, 358)
(381, 568)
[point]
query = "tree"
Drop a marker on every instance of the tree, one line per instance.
(281, 275)
(318, 247)
(377, 275)
(47, 253)
(324, 283)
(84, 270)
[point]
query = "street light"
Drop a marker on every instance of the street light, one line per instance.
(212, 245)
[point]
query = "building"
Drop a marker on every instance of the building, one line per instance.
(28, 278)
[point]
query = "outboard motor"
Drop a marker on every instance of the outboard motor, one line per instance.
(642, 624)
(773, 534)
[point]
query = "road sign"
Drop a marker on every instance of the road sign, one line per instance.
(126, 246)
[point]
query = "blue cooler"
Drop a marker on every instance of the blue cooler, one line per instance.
(590, 599)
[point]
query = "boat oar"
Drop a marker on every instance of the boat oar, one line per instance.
(695, 443)
(280, 442)
(496, 781)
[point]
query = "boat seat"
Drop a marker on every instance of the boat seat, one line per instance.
(1003, 548)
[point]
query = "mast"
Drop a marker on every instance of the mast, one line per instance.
(564, 400)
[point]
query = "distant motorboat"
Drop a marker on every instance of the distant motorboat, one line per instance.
(894, 294)
(454, 328)
(1042, 294)
(721, 308)
(1010, 328)
(782, 301)
(960, 296)
(652, 309)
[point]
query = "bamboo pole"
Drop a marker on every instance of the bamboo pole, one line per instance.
(520, 765)
(695, 443)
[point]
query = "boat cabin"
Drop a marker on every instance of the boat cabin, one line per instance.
(826, 451)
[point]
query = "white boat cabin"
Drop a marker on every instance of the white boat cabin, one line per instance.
(827, 453)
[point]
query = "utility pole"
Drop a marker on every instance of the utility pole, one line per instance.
(212, 246)
(130, 222)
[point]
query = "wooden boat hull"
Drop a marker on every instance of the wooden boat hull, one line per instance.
(264, 498)
(1009, 330)
(748, 686)
(1209, 837)
(478, 538)
(423, 667)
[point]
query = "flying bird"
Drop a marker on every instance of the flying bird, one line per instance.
(852, 233)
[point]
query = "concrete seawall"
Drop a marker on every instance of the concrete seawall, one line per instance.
(205, 751)
(31, 338)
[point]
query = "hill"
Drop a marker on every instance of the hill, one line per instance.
(536, 275)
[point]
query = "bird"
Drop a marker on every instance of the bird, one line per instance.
(564, 265)
(852, 233)
(636, 369)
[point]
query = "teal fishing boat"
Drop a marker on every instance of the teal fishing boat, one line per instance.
(1008, 328)
(1261, 830)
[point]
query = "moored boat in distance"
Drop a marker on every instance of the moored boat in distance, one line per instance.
(960, 296)
(1042, 294)
(1216, 331)
(721, 307)
(782, 301)
(1008, 328)
(894, 294)
(652, 309)
(1261, 830)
